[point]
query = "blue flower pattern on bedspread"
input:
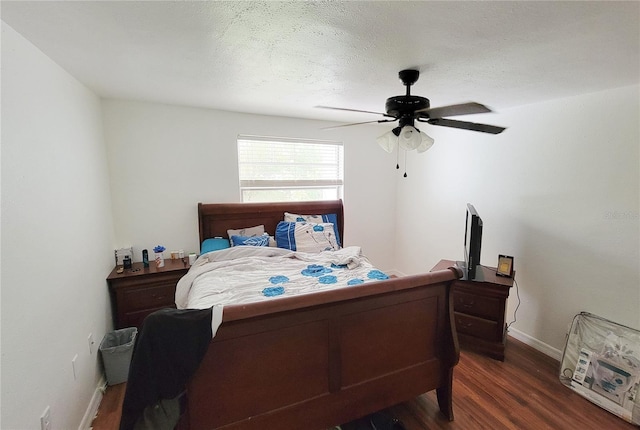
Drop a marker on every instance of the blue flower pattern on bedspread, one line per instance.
(316, 270)
(279, 279)
(328, 279)
(273, 291)
(318, 227)
(322, 273)
(376, 274)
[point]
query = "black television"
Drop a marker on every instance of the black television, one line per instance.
(472, 243)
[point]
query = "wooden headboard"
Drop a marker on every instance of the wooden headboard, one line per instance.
(216, 218)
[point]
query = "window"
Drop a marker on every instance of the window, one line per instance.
(276, 169)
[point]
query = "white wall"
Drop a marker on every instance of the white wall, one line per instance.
(57, 239)
(165, 159)
(559, 190)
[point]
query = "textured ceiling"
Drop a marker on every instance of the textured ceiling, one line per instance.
(284, 58)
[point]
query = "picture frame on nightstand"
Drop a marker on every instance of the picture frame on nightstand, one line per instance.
(505, 266)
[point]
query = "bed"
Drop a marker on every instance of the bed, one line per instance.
(317, 360)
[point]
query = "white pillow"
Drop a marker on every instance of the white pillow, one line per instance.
(306, 237)
(318, 219)
(247, 232)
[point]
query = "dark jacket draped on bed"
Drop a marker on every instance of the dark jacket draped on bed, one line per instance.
(168, 350)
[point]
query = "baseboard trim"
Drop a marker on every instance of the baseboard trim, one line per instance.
(94, 404)
(536, 344)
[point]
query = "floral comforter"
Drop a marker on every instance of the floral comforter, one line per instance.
(244, 274)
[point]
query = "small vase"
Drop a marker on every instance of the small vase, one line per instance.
(159, 259)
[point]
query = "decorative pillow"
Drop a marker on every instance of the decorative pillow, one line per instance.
(306, 237)
(246, 232)
(214, 244)
(318, 219)
(250, 241)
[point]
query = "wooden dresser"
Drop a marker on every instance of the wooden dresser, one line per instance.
(480, 310)
(139, 291)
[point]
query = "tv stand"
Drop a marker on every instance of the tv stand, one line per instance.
(480, 309)
(479, 273)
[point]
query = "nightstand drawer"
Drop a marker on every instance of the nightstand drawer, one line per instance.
(155, 296)
(482, 328)
(472, 304)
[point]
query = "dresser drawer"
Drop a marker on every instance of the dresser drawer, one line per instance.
(152, 296)
(479, 327)
(473, 304)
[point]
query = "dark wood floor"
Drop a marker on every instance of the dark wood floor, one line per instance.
(523, 392)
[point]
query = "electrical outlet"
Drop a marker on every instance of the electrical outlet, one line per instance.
(45, 419)
(91, 343)
(73, 364)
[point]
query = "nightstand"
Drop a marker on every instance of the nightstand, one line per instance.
(480, 308)
(139, 291)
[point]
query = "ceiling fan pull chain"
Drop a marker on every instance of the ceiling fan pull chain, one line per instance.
(398, 159)
(405, 164)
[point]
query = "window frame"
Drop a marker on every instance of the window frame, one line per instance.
(336, 183)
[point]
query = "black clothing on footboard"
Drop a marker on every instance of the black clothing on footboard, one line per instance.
(168, 350)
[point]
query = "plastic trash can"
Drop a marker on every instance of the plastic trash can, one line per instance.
(116, 349)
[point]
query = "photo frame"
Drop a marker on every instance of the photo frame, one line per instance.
(505, 266)
(121, 253)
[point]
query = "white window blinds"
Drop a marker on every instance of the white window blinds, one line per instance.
(286, 169)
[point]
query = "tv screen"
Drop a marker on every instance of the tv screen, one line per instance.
(472, 241)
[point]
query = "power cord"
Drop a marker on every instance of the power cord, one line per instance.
(517, 306)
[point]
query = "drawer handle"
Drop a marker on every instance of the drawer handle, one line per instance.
(460, 323)
(159, 297)
(467, 303)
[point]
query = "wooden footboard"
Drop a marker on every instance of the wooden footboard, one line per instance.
(318, 360)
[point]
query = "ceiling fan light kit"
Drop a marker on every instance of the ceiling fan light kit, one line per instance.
(389, 140)
(407, 138)
(426, 142)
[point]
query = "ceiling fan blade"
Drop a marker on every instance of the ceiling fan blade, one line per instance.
(453, 110)
(356, 123)
(485, 128)
(353, 110)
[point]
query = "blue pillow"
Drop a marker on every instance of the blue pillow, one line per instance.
(214, 244)
(250, 241)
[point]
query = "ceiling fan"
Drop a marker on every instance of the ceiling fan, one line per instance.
(408, 109)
